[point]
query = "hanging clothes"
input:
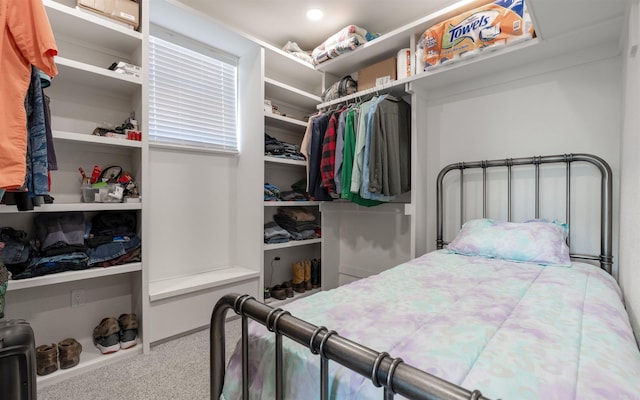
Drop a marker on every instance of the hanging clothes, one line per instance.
(37, 177)
(347, 163)
(316, 190)
(25, 39)
(337, 170)
(358, 158)
(327, 164)
(306, 142)
(366, 155)
(390, 147)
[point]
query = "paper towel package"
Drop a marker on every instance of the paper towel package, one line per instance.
(487, 27)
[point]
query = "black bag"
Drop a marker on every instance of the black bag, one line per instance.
(343, 87)
(17, 360)
(17, 251)
(114, 223)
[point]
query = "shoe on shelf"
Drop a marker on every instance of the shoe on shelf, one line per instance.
(278, 292)
(128, 330)
(69, 353)
(298, 276)
(288, 288)
(315, 273)
(267, 295)
(307, 274)
(106, 336)
(46, 359)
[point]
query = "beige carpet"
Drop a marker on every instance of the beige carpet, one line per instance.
(175, 370)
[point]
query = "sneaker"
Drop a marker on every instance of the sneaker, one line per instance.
(46, 359)
(267, 296)
(128, 330)
(69, 353)
(106, 336)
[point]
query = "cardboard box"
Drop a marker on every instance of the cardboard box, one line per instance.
(127, 11)
(377, 74)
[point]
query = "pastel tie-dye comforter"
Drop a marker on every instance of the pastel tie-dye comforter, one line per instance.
(511, 330)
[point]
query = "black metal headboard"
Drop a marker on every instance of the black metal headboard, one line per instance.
(605, 257)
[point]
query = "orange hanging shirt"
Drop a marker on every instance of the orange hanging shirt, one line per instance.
(25, 39)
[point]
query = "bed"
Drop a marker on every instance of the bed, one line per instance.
(504, 310)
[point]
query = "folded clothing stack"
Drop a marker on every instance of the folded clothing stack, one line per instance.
(277, 148)
(299, 222)
(65, 241)
(274, 193)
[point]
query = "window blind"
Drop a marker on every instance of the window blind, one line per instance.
(192, 98)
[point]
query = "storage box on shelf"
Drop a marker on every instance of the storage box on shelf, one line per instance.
(126, 11)
(84, 95)
(377, 74)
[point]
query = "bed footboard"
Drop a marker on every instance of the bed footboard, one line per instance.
(392, 374)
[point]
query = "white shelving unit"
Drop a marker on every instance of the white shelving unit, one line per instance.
(293, 87)
(85, 94)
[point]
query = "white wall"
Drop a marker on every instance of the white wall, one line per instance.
(569, 110)
(630, 184)
(204, 207)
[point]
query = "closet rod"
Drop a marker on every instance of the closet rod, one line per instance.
(393, 88)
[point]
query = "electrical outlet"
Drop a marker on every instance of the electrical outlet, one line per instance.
(77, 297)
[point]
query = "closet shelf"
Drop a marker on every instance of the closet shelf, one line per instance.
(87, 75)
(71, 276)
(90, 358)
(388, 44)
(286, 161)
(59, 207)
(95, 140)
(167, 288)
(283, 122)
(285, 67)
(276, 90)
(292, 243)
(291, 203)
(91, 29)
(448, 75)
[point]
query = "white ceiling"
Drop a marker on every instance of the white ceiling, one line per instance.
(279, 21)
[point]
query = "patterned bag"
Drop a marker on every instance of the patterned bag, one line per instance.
(341, 88)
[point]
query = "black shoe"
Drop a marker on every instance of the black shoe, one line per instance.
(315, 273)
(278, 292)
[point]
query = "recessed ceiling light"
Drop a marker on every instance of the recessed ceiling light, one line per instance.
(315, 14)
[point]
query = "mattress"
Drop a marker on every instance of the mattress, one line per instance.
(512, 330)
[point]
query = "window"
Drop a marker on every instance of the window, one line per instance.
(192, 96)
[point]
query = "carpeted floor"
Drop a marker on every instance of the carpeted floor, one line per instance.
(177, 369)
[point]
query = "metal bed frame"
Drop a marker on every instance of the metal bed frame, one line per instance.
(604, 258)
(391, 373)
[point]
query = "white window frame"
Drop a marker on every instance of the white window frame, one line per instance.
(184, 88)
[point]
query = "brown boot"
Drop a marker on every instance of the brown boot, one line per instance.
(298, 276)
(46, 359)
(307, 274)
(69, 353)
(288, 288)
